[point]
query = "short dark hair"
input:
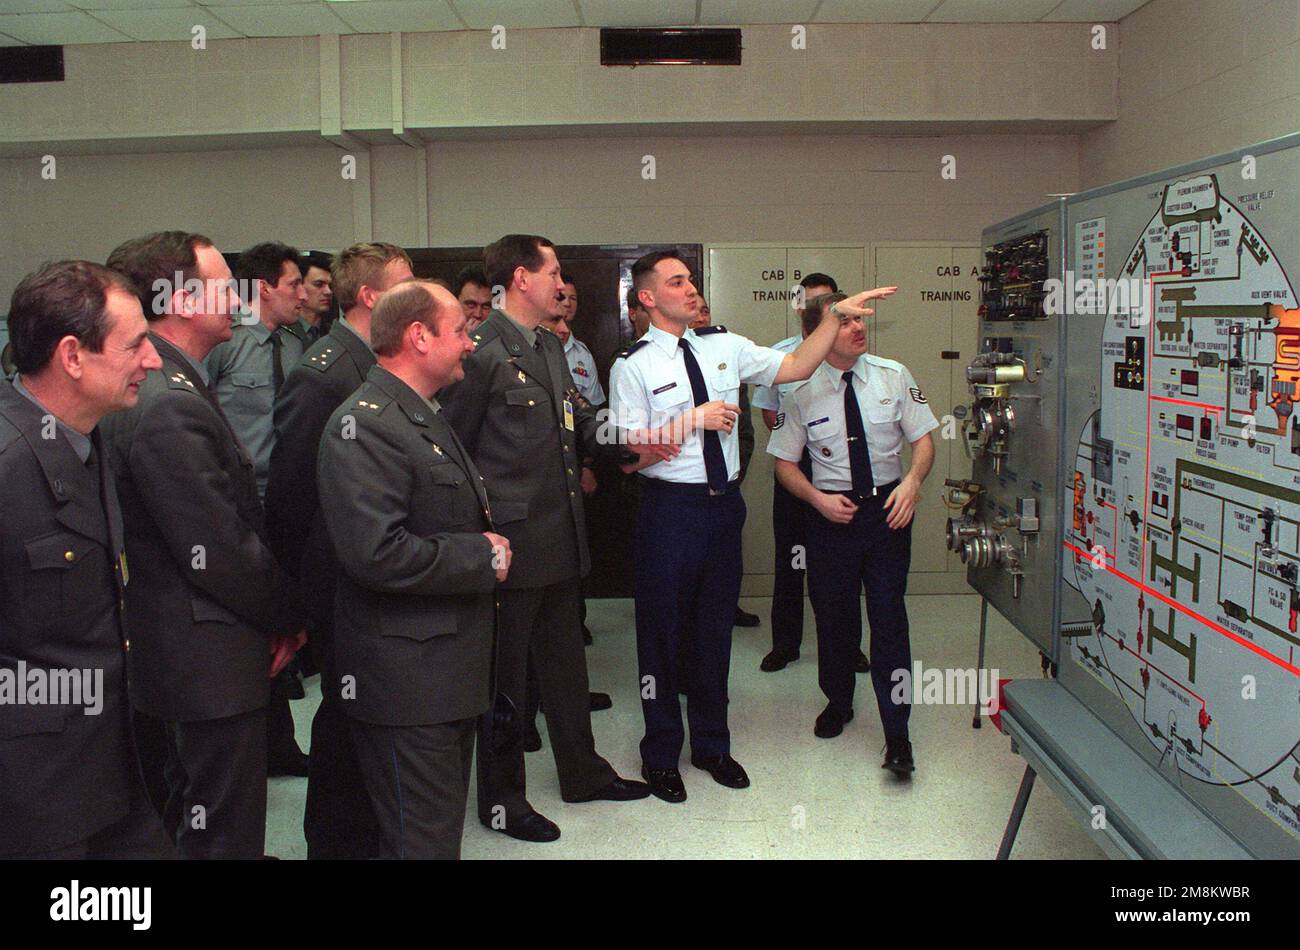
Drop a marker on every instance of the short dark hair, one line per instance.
(501, 257)
(265, 262)
(644, 267)
(469, 275)
(64, 298)
(315, 259)
(409, 302)
(816, 279)
(811, 315)
(154, 257)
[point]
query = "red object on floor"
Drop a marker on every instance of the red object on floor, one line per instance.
(996, 716)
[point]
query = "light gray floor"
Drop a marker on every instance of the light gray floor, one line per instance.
(809, 797)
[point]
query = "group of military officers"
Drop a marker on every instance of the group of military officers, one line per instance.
(409, 497)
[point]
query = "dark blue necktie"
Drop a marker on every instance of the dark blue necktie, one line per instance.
(715, 463)
(859, 455)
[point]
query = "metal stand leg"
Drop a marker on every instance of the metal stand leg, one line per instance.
(979, 664)
(1017, 813)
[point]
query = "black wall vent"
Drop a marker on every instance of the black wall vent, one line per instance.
(708, 47)
(31, 64)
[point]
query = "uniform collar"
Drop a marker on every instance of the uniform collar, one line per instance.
(835, 377)
(529, 335)
(79, 441)
(168, 348)
(418, 409)
(668, 342)
(569, 343)
(343, 322)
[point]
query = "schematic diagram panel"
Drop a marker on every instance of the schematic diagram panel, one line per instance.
(1182, 509)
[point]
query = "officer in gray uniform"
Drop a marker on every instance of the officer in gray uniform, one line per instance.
(853, 416)
(338, 821)
(408, 516)
(211, 612)
(70, 786)
(519, 417)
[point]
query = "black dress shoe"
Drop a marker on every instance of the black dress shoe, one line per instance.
(745, 619)
(289, 764)
(777, 660)
(619, 790)
(530, 827)
(898, 757)
(532, 738)
(863, 665)
(598, 701)
(665, 784)
(586, 636)
(831, 722)
(724, 769)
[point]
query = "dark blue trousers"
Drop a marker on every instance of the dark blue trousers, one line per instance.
(687, 576)
(840, 556)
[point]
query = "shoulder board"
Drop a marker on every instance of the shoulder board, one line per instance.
(631, 349)
(322, 358)
(883, 363)
(483, 333)
(177, 379)
(705, 331)
(371, 401)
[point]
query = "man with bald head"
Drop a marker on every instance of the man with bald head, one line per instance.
(419, 568)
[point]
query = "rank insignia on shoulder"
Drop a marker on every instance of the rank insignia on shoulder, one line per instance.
(437, 450)
(917, 395)
(368, 405)
(780, 421)
(522, 377)
(705, 331)
(181, 378)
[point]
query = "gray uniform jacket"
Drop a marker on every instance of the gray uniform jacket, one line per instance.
(328, 374)
(510, 413)
(64, 774)
(205, 591)
(406, 510)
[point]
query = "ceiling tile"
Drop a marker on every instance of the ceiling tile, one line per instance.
(740, 12)
(874, 11)
(161, 25)
(59, 29)
(1093, 11)
(251, 3)
(991, 11)
(34, 6)
(299, 19)
(637, 13)
(520, 14)
(97, 5)
(396, 16)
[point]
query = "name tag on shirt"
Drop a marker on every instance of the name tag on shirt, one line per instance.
(817, 422)
(568, 415)
(664, 388)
